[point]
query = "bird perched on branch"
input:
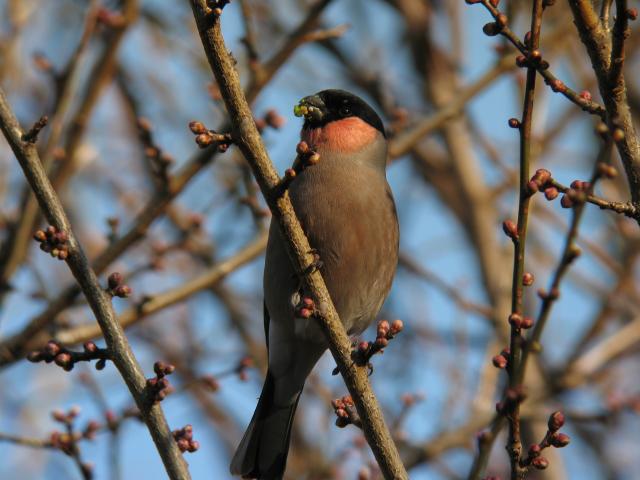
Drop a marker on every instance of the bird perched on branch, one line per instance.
(346, 209)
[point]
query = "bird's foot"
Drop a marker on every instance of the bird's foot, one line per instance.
(315, 265)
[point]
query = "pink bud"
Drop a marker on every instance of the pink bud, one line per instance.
(527, 279)
(551, 193)
(556, 421)
(559, 440)
(499, 361)
(534, 450)
(515, 320)
(510, 229)
(396, 327)
(540, 463)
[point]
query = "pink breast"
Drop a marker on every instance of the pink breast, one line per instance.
(346, 135)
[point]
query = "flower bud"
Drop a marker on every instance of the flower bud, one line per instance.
(534, 450)
(492, 29)
(566, 201)
(556, 421)
(183, 444)
(204, 140)
(115, 280)
(383, 328)
(540, 463)
(274, 119)
(302, 148)
(515, 320)
(197, 128)
(59, 416)
(193, 446)
(542, 176)
(510, 229)
(499, 361)
(551, 193)
(559, 440)
(63, 360)
(122, 291)
(52, 348)
(607, 171)
(396, 327)
(158, 367)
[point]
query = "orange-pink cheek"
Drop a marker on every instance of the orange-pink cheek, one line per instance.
(346, 135)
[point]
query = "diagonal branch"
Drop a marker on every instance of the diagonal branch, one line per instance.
(248, 139)
(98, 299)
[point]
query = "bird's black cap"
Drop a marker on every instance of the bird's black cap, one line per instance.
(331, 105)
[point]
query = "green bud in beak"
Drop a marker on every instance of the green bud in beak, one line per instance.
(299, 110)
(312, 108)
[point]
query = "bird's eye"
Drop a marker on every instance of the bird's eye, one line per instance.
(345, 110)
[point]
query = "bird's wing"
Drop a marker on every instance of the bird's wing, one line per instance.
(267, 319)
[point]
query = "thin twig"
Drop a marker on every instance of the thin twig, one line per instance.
(542, 68)
(569, 254)
(16, 244)
(626, 208)
(512, 409)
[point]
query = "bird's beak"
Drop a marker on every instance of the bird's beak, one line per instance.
(311, 108)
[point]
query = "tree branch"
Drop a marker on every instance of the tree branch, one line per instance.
(248, 139)
(98, 299)
(607, 56)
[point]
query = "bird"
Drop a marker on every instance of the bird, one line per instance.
(347, 210)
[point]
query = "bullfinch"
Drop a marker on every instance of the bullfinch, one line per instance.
(347, 211)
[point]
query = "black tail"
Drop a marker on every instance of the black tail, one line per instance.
(262, 453)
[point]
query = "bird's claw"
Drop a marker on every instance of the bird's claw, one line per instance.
(316, 263)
